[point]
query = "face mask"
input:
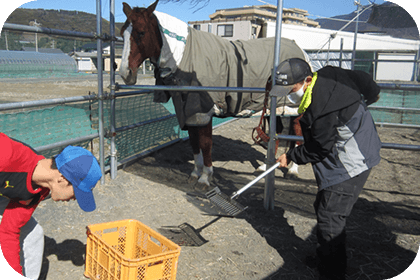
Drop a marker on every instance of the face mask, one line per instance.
(296, 97)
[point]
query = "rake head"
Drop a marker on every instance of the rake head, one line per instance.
(223, 201)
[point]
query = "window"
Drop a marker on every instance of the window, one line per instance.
(209, 30)
(197, 26)
(225, 30)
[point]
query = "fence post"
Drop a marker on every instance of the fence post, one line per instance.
(113, 162)
(100, 88)
(271, 152)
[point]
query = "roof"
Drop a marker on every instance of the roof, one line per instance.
(42, 50)
(387, 19)
(27, 56)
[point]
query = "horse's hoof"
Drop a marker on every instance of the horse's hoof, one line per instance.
(206, 176)
(192, 180)
(204, 181)
(202, 186)
(196, 174)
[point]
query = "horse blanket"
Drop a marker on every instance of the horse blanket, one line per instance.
(209, 60)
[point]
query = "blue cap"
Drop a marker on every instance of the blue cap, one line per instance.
(82, 170)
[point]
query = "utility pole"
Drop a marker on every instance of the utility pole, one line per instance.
(357, 3)
(34, 23)
(7, 44)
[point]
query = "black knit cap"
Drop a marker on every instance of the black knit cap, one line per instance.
(292, 71)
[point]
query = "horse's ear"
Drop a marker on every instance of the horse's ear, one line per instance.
(152, 7)
(127, 9)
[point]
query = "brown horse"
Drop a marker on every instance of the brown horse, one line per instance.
(184, 56)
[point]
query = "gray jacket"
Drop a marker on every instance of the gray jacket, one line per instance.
(341, 140)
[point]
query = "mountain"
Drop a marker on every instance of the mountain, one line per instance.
(54, 19)
(60, 19)
(386, 19)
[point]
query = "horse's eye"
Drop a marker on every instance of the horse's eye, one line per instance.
(141, 34)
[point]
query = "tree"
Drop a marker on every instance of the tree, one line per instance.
(10, 41)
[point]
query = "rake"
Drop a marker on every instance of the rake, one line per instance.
(185, 234)
(226, 203)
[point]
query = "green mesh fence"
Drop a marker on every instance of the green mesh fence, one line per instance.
(48, 125)
(157, 125)
(397, 98)
(156, 122)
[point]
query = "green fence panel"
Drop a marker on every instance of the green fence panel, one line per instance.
(397, 98)
(45, 126)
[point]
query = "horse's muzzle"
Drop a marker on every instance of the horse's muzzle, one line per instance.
(129, 77)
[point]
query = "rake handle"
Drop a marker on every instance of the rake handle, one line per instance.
(250, 184)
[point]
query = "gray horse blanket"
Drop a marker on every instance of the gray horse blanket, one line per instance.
(209, 60)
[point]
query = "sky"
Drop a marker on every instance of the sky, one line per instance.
(185, 11)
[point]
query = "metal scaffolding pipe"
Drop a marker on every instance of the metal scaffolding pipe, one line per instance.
(271, 153)
(67, 142)
(57, 32)
(395, 108)
(45, 30)
(396, 146)
(113, 159)
(365, 60)
(100, 89)
(192, 88)
(400, 125)
(45, 102)
(132, 93)
(384, 145)
(394, 86)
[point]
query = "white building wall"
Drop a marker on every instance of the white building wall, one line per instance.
(241, 29)
(396, 71)
(316, 38)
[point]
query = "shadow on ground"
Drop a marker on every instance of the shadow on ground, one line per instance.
(373, 249)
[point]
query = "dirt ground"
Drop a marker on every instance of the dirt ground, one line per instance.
(383, 229)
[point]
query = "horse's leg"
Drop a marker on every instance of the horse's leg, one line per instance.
(206, 142)
(198, 156)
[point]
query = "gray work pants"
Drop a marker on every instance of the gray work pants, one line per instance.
(332, 206)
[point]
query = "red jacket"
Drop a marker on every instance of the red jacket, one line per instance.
(17, 164)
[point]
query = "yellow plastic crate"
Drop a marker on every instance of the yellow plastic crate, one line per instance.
(129, 250)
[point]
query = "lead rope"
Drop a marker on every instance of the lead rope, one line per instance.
(259, 134)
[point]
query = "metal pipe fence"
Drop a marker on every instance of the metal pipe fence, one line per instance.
(192, 88)
(395, 86)
(45, 102)
(59, 32)
(49, 31)
(99, 66)
(384, 145)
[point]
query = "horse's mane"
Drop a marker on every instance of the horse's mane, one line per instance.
(138, 9)
(141, 9)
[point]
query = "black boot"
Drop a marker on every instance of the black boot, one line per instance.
(332, 259)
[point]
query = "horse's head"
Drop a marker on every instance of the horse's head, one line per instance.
(142, 40)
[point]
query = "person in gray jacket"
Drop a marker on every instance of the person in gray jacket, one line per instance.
(341, 143)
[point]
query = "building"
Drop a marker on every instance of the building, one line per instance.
(35, 64)
(389, 58)
(86, 57)
(250, 22)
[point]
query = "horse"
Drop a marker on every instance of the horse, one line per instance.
(184, 56)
